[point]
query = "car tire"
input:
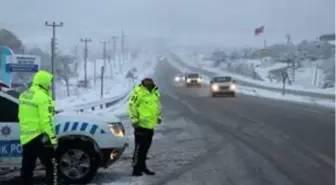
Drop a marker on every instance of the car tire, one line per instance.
(233, 94)
(86, 149)
(213, 94)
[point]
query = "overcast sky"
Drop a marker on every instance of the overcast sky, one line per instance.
(231, 22)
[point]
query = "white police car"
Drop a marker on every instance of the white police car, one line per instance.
(86, 142)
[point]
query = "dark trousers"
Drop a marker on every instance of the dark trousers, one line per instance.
(45, 152)
(143, 140)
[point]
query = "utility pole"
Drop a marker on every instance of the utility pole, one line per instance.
(114, 49)
(316, 72)
(289, 40)
(53, 43)
(105, 42)
(94, 72)
(122, 45)
(85, 41)
(114, 40)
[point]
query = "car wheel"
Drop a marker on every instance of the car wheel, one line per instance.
(233, 94)
(213, 94)
(77, 162)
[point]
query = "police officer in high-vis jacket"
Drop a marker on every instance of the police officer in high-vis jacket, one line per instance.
(145, 113)
(38, 136)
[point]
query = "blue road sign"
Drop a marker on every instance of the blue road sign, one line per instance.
(30, 68)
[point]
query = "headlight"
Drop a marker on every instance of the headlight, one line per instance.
(215, 87)
(199, 80)
(188, 80)
(117, 129)
(177, 78)
(233, 87)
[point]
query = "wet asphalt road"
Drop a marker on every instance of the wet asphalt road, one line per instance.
(253, 85)
(290, 143)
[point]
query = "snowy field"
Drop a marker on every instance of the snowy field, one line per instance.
(306, 74)
(115, 81)
(265, 93)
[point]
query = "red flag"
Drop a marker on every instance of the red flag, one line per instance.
(259, 30)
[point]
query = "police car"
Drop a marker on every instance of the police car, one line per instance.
(86, 142)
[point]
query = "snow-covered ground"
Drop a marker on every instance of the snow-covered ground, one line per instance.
(304, 76)
(266, 93)
(114, 85)
(187, 142)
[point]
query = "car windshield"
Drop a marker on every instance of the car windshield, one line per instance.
(193, 75)
(222, 79)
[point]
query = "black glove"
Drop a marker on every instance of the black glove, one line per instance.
(135, 125)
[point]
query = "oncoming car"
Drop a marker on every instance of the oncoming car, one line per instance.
(180, 78)
(86, 142)
(223, 85)
(193, 79)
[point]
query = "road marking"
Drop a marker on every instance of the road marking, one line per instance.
(319, 155)
(173, 96)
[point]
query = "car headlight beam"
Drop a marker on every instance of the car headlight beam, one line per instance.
(233, 87)
(199, 80)
(188, 80)
(215, 87)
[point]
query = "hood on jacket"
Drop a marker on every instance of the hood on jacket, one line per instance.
(43, 78)
(145, 85)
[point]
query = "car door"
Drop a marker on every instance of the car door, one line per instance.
(10, 149)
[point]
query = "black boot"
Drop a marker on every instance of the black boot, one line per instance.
(136, 172)
(148, 172)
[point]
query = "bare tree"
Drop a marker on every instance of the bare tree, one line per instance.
(65, 70)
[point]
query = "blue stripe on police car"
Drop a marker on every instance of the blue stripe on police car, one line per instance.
(78, 126)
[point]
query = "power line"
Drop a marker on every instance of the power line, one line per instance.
(53, 43)
(85, 41)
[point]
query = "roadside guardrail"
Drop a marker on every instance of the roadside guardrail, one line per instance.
(95, 105)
